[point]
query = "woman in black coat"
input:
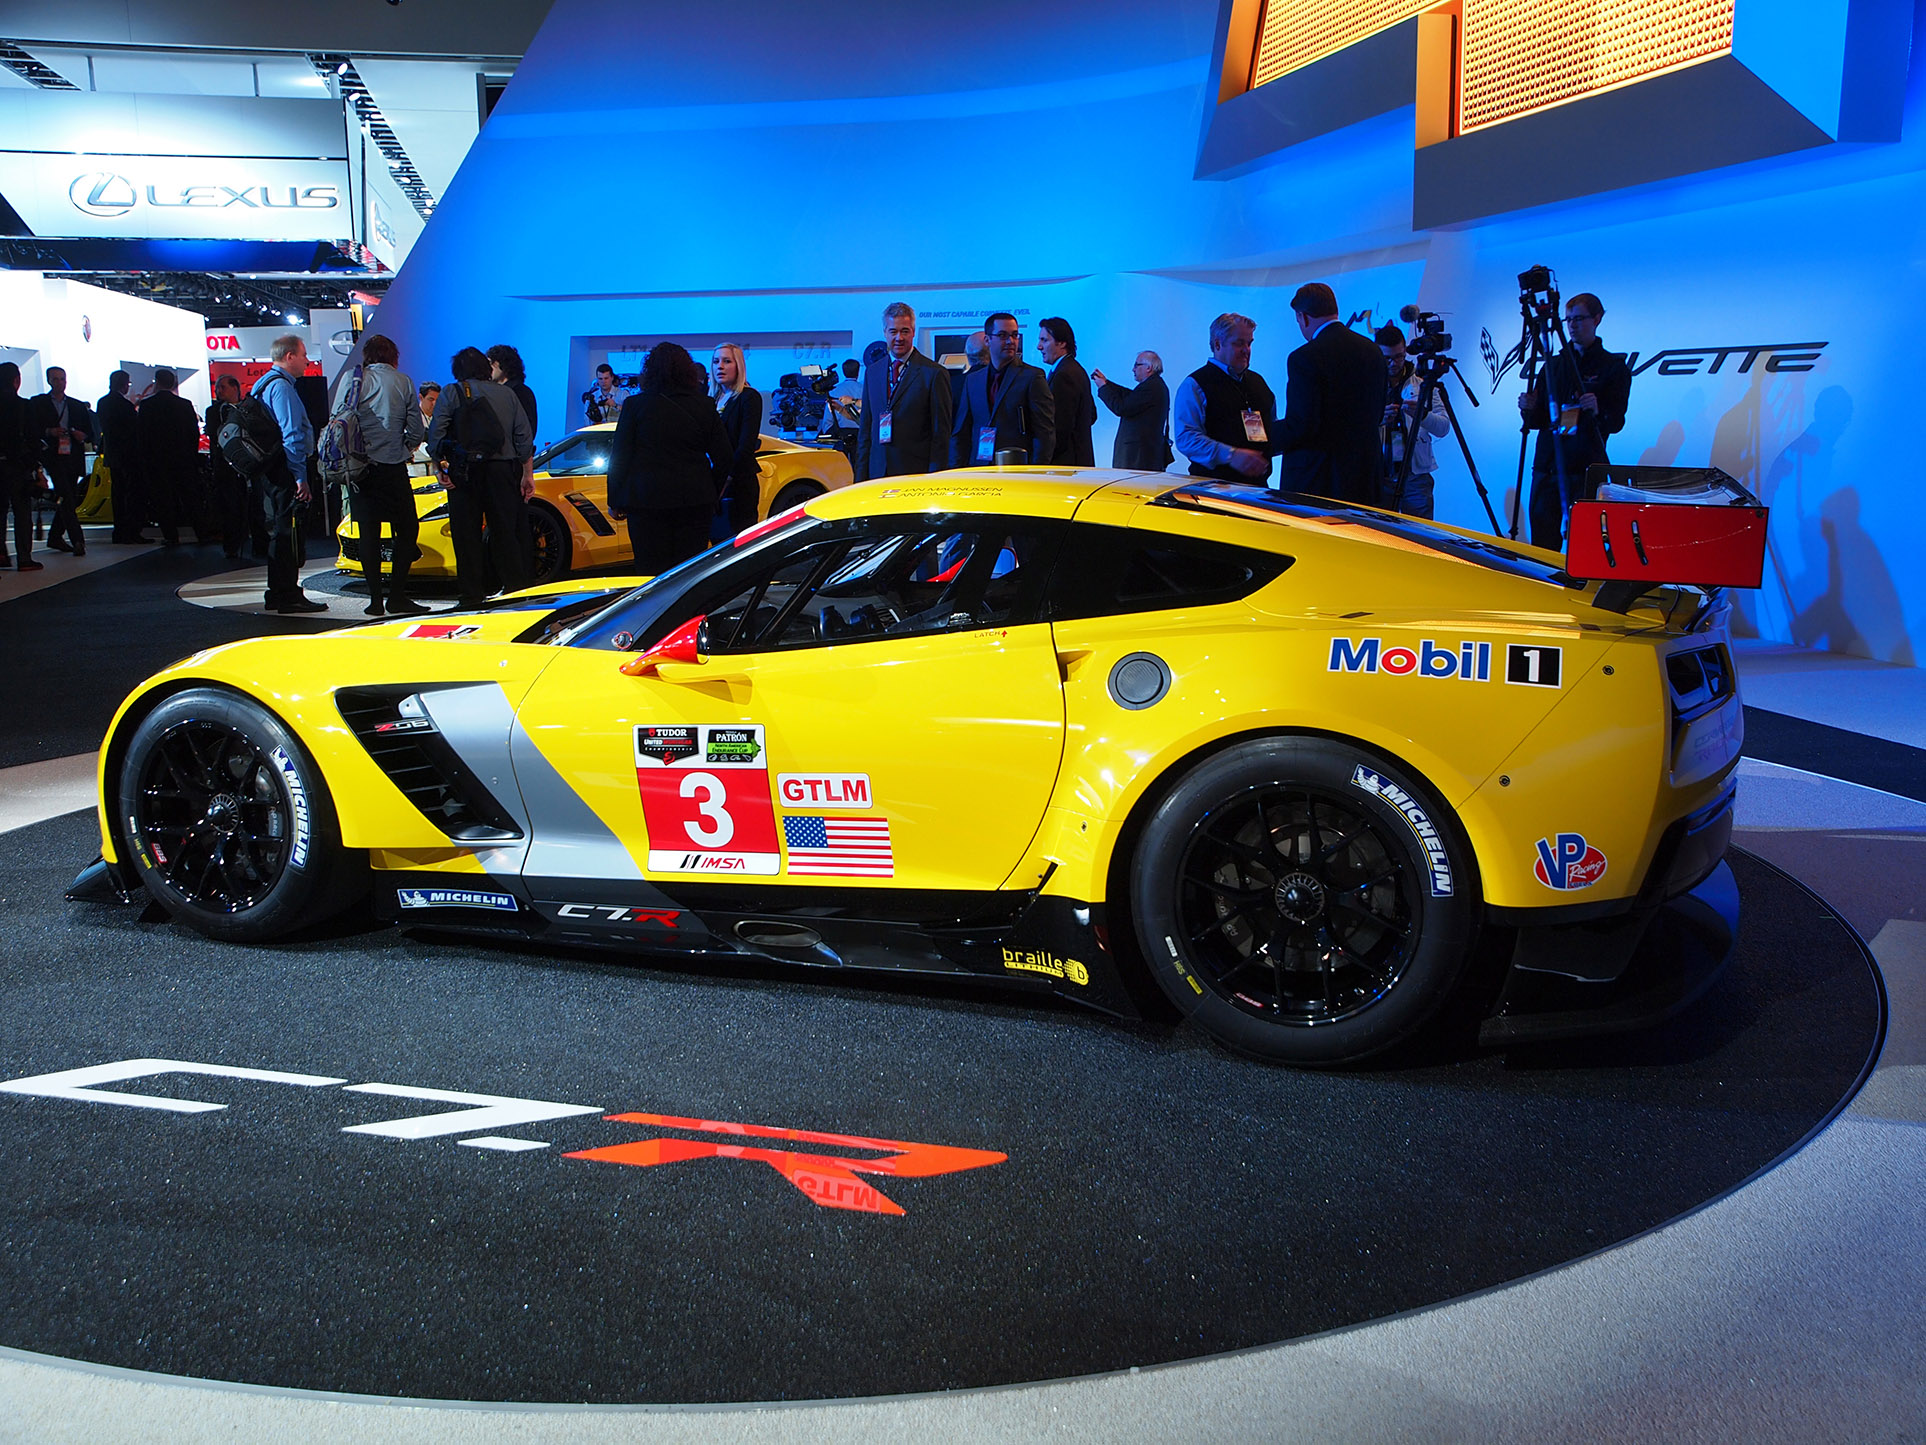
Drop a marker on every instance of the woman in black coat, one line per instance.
(670, 462)
(741, 408)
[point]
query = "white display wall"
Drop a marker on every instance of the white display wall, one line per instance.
(52, 321)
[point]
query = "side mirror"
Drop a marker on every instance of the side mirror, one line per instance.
(682, 645)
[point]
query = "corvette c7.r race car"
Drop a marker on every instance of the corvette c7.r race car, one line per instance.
(568, 516)
(1282, 765)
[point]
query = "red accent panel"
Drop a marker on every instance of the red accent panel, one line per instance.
(1663, 542)
(829, 1180)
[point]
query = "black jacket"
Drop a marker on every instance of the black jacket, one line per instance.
(170, 440)
(671, 451)
(115, 420)
(921, 414)
(1327, 441)
(19, 446)
(1143, 415)
(42, 416)
(1606, 376)
(1025, 417)
(1076, 414)
(741, 418)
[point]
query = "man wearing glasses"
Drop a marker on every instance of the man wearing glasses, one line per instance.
(1592, 386)
(1143, 438)
(1006, 406)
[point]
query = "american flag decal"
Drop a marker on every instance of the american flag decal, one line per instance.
(839, 847)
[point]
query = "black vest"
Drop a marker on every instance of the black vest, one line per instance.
(1225, 401)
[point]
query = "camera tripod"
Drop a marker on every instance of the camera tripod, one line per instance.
(1538, 304)
(1431, 368)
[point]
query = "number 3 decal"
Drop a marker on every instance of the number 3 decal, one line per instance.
(710, 805)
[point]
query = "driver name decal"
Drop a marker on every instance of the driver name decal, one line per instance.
(705, 800)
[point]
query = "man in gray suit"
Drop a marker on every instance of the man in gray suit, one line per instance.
(1143, 440)
(906, 406)
(1006, 406)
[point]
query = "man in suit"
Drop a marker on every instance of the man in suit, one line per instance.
(65, 426)
(115, 412)
(1225, 413)
(907, 410)
(1069, 393)
(1006, 406)
(1328, 442)
(1143, 444)
(170, 454)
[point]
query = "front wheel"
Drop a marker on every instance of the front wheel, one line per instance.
(1305, 901)
(229, 821)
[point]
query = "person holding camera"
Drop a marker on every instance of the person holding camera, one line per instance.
(1225, 413)
(603, 401)
(1403, 387)
(1006, 406)
(1592, 388)
(907, 406)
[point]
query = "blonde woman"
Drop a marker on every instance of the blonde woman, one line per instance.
(741, 407)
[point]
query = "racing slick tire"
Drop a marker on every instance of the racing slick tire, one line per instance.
(793, 495)
(229, 821)
(1304, 900)
(552, 545)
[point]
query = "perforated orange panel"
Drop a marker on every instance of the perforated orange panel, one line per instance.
(1296, 32)
(1522, 56)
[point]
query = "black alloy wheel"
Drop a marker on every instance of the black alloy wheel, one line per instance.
(552, 545)
(1304, 900)
(229, 821)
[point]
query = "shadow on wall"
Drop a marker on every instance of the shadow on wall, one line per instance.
(1831, 581)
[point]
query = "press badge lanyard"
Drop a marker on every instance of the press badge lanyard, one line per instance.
(65, 445)
(1253, 418)
(892, 383)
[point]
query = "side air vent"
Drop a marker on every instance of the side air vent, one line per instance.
(403, 741)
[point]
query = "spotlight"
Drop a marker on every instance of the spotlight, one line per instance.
(293, 318)
(342, 68)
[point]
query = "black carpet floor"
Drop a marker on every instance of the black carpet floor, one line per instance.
(1777, 737)
(1161, 1199)
(72, 652)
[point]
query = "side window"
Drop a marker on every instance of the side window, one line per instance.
(584, 454)
(1111, 570)
(903, 583)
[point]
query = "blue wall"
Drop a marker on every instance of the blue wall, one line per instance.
(757, 170)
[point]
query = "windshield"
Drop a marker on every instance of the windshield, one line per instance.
(584, 454)
(632, 620)
(1234, 500)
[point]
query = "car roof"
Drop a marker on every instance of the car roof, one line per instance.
(1017, 491)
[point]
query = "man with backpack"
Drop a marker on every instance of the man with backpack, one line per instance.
(386, 427)
(481, 435)
(284, 477)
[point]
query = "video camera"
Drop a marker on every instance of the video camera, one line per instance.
(1430, 338)
(1538, 293)
(803, 403)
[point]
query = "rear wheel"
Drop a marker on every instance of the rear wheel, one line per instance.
(1303, 900)
(229, 820)
(553, 545)
(794, 494)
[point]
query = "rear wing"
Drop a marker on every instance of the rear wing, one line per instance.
(1664, 526)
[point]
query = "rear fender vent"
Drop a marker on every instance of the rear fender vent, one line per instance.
(405, 744)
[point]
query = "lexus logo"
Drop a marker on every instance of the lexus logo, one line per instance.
(110, 196)
(102, 193)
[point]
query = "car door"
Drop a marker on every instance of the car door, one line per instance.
(878, 707)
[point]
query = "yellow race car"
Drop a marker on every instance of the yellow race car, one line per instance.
(1300, 772)
(568, 516)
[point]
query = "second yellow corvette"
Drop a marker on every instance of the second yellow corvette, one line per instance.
(568, 515)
